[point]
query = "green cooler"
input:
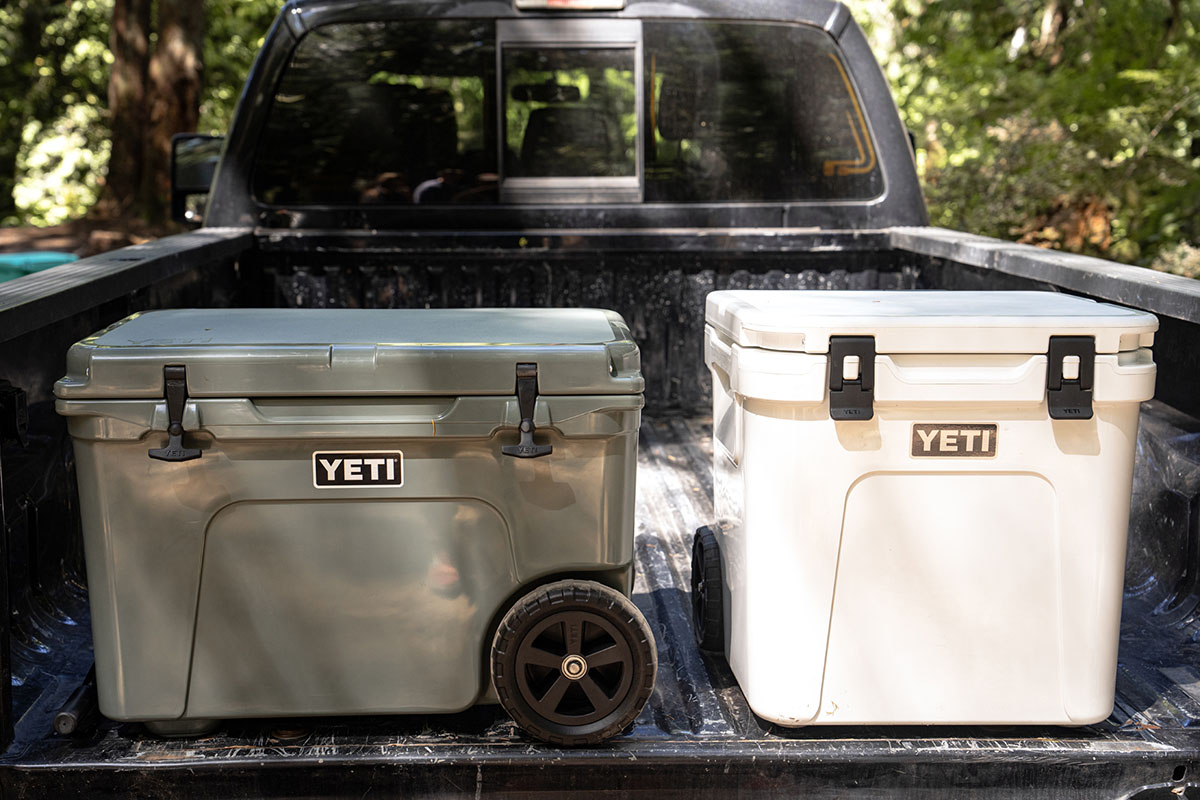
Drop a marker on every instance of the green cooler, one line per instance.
(332, 512)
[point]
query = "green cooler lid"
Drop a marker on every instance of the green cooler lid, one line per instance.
(321, 353)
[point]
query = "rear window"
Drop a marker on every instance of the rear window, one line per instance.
(392, 113)
(418, 112)
(745, 112)
(570, 112)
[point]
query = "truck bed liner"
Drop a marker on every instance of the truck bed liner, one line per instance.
(695, 738)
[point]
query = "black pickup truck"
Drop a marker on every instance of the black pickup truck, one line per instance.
(625, 154)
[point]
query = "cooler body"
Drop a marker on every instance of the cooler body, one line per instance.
(921, 518)
(352, 527)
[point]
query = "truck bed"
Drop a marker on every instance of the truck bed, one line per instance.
(696, 737)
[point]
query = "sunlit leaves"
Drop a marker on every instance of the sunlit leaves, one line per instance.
(54, 89)
(236, 29)
(1049, 120)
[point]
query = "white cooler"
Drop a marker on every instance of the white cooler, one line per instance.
(923, 500)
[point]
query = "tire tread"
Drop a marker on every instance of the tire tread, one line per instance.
(712, 639)
(546, 599)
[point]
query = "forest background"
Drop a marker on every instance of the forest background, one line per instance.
(1072, 124)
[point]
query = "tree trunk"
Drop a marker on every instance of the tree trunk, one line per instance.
(129, 40)
(176, 79)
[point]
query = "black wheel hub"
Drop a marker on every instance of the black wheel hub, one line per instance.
(574, 668)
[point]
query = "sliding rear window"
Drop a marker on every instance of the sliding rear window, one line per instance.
(412, 112)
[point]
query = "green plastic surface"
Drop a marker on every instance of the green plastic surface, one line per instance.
(321, 353)
(236, 585)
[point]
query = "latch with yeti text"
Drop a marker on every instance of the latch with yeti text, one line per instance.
(851, 377)
(175, 390)
(1070, 376)
(527, 392)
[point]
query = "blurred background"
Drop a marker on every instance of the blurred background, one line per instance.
(1069, 124)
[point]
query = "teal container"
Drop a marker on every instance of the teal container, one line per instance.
(18, 265)
(338, 519)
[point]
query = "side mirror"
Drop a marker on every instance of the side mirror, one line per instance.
(194, 158)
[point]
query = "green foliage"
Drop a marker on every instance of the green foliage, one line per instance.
(236, 29)
(53, 76)
(1064, 124)
(54, 65)
(61, 166)
(1181, 259)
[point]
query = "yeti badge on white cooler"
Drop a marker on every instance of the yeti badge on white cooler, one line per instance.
(954, 441)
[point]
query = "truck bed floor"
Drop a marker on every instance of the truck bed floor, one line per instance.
(695, 738)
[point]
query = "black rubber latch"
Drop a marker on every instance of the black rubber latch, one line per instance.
(527, 392)
(852, 400)
(175, 389)
(1070, 399)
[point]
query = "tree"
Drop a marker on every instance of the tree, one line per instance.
(235, 33)
(152, 95)
(56, 59)
(129, 41)
(46, 67)
(1064, 124)
(176, 79)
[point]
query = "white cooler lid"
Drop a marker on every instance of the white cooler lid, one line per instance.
(923, 321)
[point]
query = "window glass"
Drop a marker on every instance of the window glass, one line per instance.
(405, 112)
(383, 113)
(745, 112)
(570, 112)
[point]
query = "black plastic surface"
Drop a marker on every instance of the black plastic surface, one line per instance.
(852, 399)
(175, 390)
(14, 413)
(527, 393)
(1070, 398)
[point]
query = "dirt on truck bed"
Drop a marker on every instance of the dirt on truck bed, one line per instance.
(696, 737)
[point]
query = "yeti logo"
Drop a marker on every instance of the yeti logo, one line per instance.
(954, 441)
(358, 469)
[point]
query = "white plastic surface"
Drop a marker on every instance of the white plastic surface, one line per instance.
(924, 321)
(865, 585)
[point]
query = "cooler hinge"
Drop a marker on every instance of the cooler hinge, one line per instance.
(851, 377)
(1070, 375)
(175, 390)
(527, 393)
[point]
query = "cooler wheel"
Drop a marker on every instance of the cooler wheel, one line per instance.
(708, 613)
(573, 662)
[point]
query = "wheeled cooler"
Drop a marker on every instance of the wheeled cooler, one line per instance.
(922, 502)
(291, 512)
